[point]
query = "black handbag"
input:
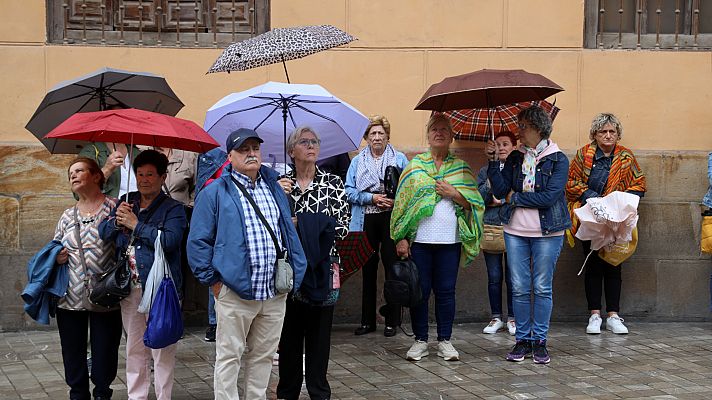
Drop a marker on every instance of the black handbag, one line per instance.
(114, 285)
(403, 286)
(390, 181)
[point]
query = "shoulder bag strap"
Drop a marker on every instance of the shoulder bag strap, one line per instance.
(262, 218)
(78, 234)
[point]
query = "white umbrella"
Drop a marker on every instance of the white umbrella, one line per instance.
(274, 109)
(608, 221)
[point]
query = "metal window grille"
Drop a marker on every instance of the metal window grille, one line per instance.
(174, 23)
(649, 24)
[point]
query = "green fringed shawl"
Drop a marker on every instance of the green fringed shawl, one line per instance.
(416, 199)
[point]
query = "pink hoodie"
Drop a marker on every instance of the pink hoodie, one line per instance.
(525, 221)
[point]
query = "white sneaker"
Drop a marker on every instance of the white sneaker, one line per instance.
(418, 350)
(447, 351)
(615, 324)
(512, 327)
(495, 325)
(594, 324)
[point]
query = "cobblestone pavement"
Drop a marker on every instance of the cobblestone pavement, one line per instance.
(659, 361)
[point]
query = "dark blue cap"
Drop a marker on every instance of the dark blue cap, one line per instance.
(238, 137)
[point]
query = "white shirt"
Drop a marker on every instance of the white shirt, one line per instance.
(441, 227)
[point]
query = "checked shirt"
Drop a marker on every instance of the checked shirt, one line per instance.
(263, 255)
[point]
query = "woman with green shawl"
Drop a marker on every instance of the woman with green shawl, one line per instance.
(437, 215)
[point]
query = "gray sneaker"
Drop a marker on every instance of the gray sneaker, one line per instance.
(418, 350)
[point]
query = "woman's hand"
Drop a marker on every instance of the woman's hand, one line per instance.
(491, 150)
(445, 189)
(382, 201)
(216, 288)
(63, 256)
(125, 216)
(403, 248)
(286, 184)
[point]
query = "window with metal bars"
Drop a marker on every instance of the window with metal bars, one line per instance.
(177, 23)
(649, 24)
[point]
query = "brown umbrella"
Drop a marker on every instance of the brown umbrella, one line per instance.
(487, 88)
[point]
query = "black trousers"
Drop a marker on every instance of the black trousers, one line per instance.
(105, 336)
(378, 228)
(601, 275)
(306, 330)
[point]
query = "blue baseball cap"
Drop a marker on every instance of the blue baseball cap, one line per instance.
(238, 137)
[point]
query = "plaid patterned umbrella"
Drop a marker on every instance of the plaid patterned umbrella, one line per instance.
(473, 124)
(354, 251)
(279, 45)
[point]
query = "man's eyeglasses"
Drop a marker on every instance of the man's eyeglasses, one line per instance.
(309, 142)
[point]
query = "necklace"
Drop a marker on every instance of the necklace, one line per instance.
(87, 217)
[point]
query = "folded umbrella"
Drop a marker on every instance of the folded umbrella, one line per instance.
(354, 251)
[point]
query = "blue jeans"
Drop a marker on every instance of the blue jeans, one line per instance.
(532, 261)
(497, 269)
(212, 319)
(438, 265)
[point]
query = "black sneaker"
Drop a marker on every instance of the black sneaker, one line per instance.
(541, 354)
(210, 333)
(520, 351)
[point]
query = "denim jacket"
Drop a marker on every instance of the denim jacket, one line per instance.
(208, 163)
(548, 196)
(707, 200)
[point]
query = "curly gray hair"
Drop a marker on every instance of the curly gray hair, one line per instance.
(600, 120)
(538, 118)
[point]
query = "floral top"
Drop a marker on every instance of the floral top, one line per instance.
(325, 194)
(97, 253)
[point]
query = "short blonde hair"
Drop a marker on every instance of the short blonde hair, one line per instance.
(436, 117)
(602, 119)
(378, 120)
(296, 135)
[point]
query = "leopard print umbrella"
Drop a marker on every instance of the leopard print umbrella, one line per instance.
(279, 45)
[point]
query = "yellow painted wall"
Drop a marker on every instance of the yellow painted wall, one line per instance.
(663, 98)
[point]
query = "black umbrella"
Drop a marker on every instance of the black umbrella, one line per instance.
(279, 45)
(102, 89)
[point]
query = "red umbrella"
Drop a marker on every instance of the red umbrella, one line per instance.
(487, 88)
(131, 126)
(483, 124)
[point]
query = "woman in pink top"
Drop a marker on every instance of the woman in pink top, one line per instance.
(532, 184)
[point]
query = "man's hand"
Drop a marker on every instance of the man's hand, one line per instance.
(115, 160)
(216, 287)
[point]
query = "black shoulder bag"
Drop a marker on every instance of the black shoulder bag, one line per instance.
(283, 272)
(114, 285)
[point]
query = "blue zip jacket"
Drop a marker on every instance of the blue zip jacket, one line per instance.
(217, 249)
(208, 163)
(359, 199)
(45, 283)
(707, 200)
(169, 216)
(549, 181)
(492, 213)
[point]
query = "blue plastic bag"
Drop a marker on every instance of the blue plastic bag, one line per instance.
(165, 321)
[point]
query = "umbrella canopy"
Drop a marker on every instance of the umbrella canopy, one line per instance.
(483, 124)
(275, 109)
(354, 252)
(131, 126)
(608, 220)
(487, 88)
(96, 91)
(279, 45)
